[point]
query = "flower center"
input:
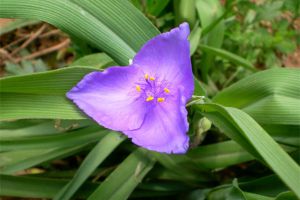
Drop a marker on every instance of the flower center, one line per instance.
(153, 89)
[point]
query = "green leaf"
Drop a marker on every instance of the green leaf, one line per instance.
(71, 138)
(219, 155)
(18, 23)
(270, 97)
(35, 159)
(184, 167)
(116, 27)
(284, 134)
(156, 7)
(41, 95)
(39, 187)
(58, 146)
(26, 128)
(97, 60)
(101, 151)
(229, 56)
(194, 39)
(185, 11)
(268, 186)
(245, 131)
(18, 124)
(125, 177)
(20, 186)
(199, 89)
(286, 196)
(12, 157)
(26, 106)
(209, 12)
(236, 192)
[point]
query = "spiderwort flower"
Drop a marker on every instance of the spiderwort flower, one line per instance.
(145, 100)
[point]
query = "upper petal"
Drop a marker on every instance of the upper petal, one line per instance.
(168, 56)
(164, 128)
(110, 98)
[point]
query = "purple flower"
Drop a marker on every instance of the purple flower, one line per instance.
(145, 100)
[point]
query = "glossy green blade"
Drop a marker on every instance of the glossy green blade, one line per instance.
(245, 131)
(33, 159)
(228, 56)
(41, 95)
(156, 7)
(272, 98)
(126, 177)
(96, 60)
(31, 187)
(101, 151)
(59, 146)
(33, 106)
(55, 82)
(273, 82)
(287, 135)
(21, 129)
(115, 27)
(222, 154)
(208, 13)
(234, 192)
(13, 157)
(194, 39)
(184, 167)
(276, 109)
(185, 11)
(219, 155)
(123, 19)
(269, 185)
(71, 138)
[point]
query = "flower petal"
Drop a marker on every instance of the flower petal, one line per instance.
(164, 128)
(168, 55)
(110, 98)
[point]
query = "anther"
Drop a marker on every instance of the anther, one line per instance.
(166, 90)
(138, 88)
(160, 99)
(150, 98)
(146, 76)
(152, 78)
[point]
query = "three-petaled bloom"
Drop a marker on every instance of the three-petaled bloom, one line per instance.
(145, 100)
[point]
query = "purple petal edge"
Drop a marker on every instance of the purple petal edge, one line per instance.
(107, 98)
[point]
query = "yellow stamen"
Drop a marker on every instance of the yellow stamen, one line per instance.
(161, 99)
(152, 78)
(146, 76)
(166, 90)
(150, 98)
(138, 88)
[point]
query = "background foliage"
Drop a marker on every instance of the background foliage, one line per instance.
(244, 133)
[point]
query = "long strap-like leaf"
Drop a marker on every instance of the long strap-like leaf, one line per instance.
(247, 132)
(116, 27)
